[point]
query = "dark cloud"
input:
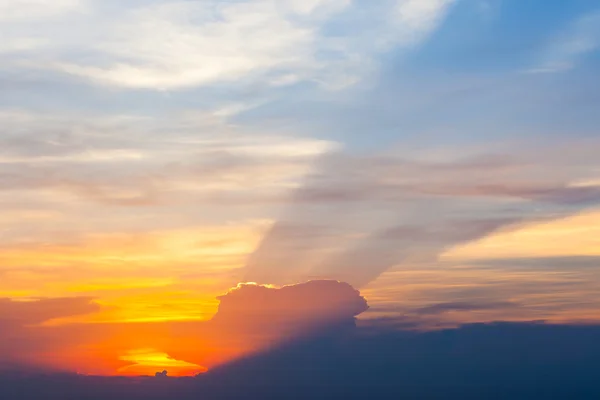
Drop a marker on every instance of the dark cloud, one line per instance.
(162, 374)
(524, 361)
(441, 308)
(484, 360)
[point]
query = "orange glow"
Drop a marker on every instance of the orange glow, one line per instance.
(162, 276)
(155, 293)
(573, 236)
(150, 361)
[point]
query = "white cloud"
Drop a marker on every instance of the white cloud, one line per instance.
(322, 7)
(69, 153)
(419, 17)
(178, 170)
(34, 9)
(164, 46)
(565, 51)
(178, 44)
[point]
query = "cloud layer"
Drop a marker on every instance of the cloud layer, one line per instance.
(358, 216)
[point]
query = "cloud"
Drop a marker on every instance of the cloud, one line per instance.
(65, 166)
(441, 308)
(546, 263)
(580, 39)
(310, 303)
(438, 364)
(22, 326)
(357, 216)
(421, 16)
(36, 311)
(249, 319)
(35, 9)
(180, 44)
(89, 155)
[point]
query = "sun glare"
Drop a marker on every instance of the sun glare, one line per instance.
(151, 361)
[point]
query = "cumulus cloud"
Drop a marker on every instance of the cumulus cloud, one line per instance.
(310, 303)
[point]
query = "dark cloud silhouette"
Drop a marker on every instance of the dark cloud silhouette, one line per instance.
(525, 361)
(162, 374)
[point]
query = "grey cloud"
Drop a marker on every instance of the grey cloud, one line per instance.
(542, 263)
(441, 308)
(36, 311)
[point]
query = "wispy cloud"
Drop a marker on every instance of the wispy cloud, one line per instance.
(178, 44)
(565, 51)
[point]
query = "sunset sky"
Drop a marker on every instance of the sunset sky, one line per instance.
(440, 156)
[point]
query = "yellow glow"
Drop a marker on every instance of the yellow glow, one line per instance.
(147, 360)
(156, 276)
(574, 236)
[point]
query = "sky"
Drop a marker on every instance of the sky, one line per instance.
(170, 170)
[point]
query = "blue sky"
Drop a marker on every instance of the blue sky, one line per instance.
(528, 67)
